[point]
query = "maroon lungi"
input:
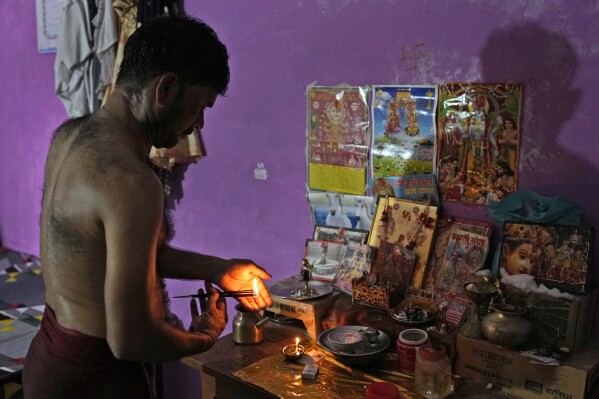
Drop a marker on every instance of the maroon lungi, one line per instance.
(63, 363)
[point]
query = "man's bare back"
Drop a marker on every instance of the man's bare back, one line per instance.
(73, 235)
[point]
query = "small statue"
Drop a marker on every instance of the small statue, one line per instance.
(306, 277)
(306, 272)
(444, 328)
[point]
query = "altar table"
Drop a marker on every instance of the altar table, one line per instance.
(222, 366)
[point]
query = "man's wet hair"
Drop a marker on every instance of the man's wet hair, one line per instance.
(183, 45)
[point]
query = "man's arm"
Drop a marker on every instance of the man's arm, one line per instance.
(228, 274)
(130, 209)
(187, 265)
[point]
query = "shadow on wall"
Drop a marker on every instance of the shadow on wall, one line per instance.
(546, 63)
(176, 180)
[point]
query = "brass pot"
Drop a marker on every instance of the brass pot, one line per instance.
(506, 325)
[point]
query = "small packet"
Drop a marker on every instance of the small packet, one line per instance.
(310, 372)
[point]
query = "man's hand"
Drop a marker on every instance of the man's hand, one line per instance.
(213, 319)
(240, 275)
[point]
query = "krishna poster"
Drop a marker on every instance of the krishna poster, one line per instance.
(478, 141)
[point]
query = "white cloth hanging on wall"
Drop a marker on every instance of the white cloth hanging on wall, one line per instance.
(73, 67)
(79, 62)
(105, 40)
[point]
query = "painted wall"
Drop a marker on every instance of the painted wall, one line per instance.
(278, 48)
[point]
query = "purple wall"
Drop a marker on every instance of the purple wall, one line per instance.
(278, 48)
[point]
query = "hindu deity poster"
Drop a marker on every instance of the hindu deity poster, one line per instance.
(478, 141)
(403, 126)
(421, 188)
(409, 224)
(338, 137)
(356, 262)
(448, 229)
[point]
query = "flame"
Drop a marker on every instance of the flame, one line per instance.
(297, 342)
(256, 292)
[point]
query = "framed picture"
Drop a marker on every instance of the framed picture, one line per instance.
(406, 223)
(558, 256)
(388, 280)
(325, 257)
(448, 228)
(356, 262)
(339, 234)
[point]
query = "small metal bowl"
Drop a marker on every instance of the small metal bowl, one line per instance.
(293, 352)
(345, 341)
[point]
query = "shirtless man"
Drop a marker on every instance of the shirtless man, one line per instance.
(103, 229)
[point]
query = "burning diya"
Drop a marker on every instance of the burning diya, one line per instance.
(294, 352)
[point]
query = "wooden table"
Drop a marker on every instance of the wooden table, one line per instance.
(219, 363)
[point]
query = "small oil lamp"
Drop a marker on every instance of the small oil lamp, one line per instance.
(294, 351)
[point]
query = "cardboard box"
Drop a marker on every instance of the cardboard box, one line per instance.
(558, 321)
(512, 372)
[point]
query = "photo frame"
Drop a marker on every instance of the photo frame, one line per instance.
(388, 280)
(356, 262)
(325, 257)
(447, 225)
(406, 223)
(558, 256)
(339, 234)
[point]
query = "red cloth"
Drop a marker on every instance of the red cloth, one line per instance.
(63, 363)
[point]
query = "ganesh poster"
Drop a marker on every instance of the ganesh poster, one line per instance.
(478, 141)
(403, 126)
(338, 136)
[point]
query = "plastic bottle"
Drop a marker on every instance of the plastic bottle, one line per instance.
(433, 371)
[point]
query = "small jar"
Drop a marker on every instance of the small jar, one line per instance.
(433, 372)
(406, 345)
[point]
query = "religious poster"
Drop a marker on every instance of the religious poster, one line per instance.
(324, 257)
(447, 226)
(453, 307)
(338, 137)
(421, 188)
(558, 256)
(478, 141)
(403, 130)
(465, 254)
(356, 262)
(409, 224)
(388, 280)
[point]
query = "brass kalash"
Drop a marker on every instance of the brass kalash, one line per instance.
(300, 298)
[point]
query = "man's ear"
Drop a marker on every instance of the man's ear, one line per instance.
(167, 88)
